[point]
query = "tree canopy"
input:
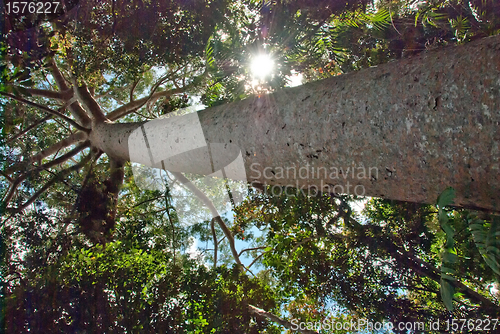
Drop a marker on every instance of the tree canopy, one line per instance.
(85, 248)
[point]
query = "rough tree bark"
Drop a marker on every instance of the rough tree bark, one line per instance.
(406, 130)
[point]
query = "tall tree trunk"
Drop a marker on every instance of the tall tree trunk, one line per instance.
(405, 130)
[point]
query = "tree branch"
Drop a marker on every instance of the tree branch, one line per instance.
(172, 226)
(60, 160)
(51, 182)
(46, 93)
(48, 110)
(65, 157)
(301, 243)
(70, 140)
(198, 193)
(56, 73)
(88, 101)
(425, 269)
(136, 104)
(250, 249)
(132, 89)
(6, 176)
(269, 316)
(29, 128)
(75, 109)
(229, 237)
(256, 259)
(79, 114)
(470, 293)
(12, 191)
(214, 236)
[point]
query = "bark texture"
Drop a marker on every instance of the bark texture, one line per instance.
(405, 130)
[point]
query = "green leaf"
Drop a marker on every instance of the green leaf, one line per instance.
(493, 250)
(446, 197)
(450, 257)
(447, 292)
(492, 263)
(447, 228)
(442, 216)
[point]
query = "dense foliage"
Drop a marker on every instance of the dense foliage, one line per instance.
(84, 249)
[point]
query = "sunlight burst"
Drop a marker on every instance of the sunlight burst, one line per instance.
(261, 66)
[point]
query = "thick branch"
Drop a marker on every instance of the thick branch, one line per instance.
(56, 73)
(75, 108)
(132, 89)
(6, 176)
(88, 101)
(269, 316)
(46, 93)
(13, 188)
(70, 140)
(79, 114)
(401, 111)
